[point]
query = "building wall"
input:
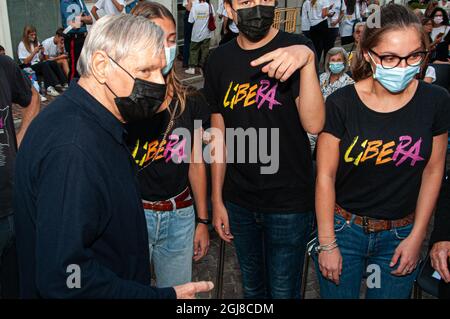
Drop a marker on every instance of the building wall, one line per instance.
(5, 34)
(43, 14)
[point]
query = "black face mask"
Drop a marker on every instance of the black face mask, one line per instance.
(255, 22)
(143, 102)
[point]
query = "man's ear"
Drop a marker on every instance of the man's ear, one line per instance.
(100, 63)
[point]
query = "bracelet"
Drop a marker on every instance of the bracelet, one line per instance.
(329, 247)
(203, 221)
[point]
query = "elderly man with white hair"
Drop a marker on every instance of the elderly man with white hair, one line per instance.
(81, 231)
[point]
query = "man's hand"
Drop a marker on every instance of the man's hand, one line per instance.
(201, 241)
(221, 223)
(283, 62)
(189, 290)
(439, 256)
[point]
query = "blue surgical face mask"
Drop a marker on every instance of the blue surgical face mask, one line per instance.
(396, 79)
(170, 58)
(337, 67)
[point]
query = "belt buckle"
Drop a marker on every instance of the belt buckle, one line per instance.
(365, 225)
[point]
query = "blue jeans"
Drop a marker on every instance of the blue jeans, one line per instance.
(7, 235)
(270, 248)
(171, 245)
(367, 255)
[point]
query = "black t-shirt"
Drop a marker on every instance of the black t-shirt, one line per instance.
(163, 167)
(382, 155)
(247, 98)
(14, 88)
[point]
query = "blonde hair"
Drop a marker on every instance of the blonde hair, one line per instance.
(27, 30)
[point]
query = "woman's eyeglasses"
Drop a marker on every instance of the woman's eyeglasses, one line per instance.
(390, 61)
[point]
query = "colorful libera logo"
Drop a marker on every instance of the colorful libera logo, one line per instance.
(398, 152)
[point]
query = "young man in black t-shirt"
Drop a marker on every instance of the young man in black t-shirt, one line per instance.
(267, 98)
(14, 88)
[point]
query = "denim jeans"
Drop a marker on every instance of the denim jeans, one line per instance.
(367, 255)
(270, 248)
(171, 245)
(6, 241)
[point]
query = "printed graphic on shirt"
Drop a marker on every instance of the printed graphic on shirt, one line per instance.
(174, 149)
(404, 151)
(4, 137)
(246, 94)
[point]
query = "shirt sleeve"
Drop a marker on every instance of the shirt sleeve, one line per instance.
(99, 4)
(334, 122)
(22, 52)
(20, 86)
(46, 46)
(191, 18)
(431, 73)
(71, 211)
(210, 88)
(441, 122)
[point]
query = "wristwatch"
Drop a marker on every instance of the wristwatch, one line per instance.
(203, 221)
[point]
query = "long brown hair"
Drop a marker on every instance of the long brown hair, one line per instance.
(154, 10)
(393, 17)
(26, 31)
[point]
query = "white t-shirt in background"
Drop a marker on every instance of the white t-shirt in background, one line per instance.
(108, 6)
(199, 16)
(22, 53)
(50, 48)
(315, 11)
(346, 25)
(185, 2)
(431, 73)
(442, 29)
(306, 26)
(339, 5)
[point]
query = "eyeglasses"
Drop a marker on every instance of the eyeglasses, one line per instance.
(390, 61)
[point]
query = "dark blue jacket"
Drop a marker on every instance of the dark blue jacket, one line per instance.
(77, 206)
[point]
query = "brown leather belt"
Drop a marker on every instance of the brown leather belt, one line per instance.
(181, 201)
(371, 225)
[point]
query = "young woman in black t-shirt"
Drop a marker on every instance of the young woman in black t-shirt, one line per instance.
(380, 164)
(166, 174)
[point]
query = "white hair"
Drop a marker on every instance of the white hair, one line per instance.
(119, 36)
(333, 51)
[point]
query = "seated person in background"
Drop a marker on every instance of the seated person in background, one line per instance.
(357, 31)
(30, 53)
(334, 77)
(54, 51)
(430, 74)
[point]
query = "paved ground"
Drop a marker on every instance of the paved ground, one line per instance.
(206, 269)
